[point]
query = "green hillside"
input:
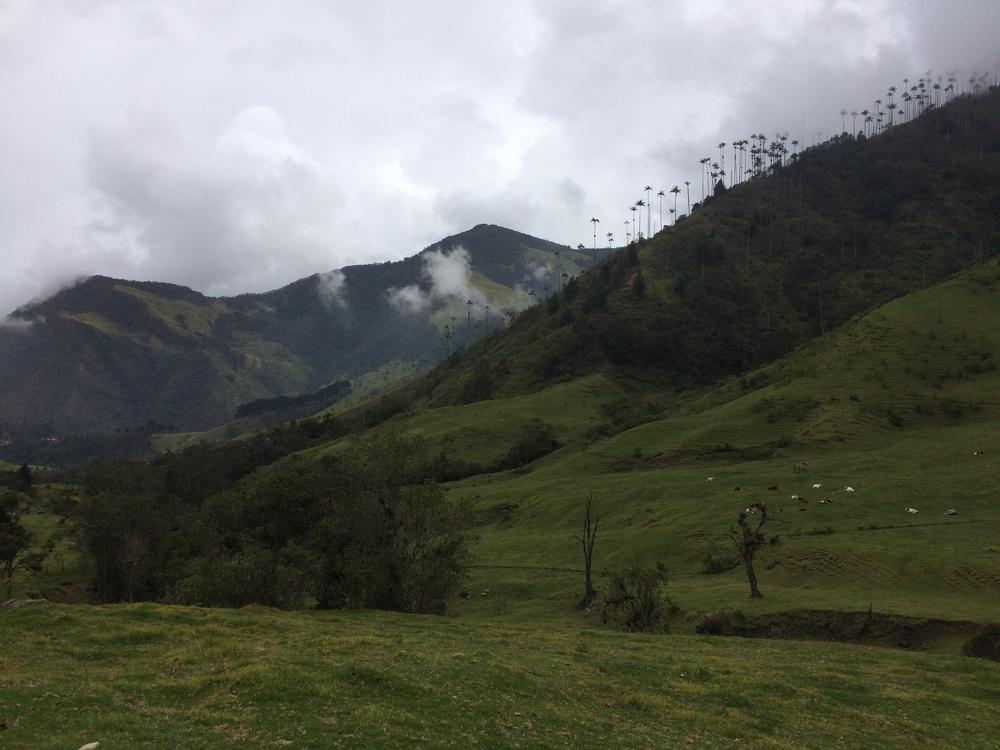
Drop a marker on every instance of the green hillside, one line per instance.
(769, 264)
(154, 676)
(894, 404)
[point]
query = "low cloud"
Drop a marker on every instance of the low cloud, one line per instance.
(410, 300)
(538, 272)
(445, 276)
(332, 289)
(18, 325)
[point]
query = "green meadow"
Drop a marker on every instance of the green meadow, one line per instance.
(154, 676)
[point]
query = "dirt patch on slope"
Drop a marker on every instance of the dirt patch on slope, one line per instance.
(869, 628)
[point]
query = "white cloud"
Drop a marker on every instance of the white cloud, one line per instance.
(331, 288)
(446, 276)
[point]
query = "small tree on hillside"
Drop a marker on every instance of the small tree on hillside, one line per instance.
(14, 550)
(587, 539)
(25, 481)
(634, 598)
(639, 286)
(748, 539)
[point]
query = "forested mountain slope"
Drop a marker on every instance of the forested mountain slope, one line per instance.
(108, 354)
(766, 265)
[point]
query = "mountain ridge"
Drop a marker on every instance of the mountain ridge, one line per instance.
(154, 355)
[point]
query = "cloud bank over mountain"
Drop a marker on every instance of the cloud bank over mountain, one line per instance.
(235, 152)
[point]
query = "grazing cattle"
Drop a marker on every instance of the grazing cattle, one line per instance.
(951, 512)
(91, 746)
(736, 488)
(825, 502)
(977, 453)
(710, 479)
(773, 488)
(848, 489)
(817, 486)
(912, 510)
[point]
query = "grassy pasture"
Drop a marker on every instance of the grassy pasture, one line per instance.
(157, 676)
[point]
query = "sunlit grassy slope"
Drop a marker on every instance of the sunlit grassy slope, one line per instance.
(895, 404)
(156, 676)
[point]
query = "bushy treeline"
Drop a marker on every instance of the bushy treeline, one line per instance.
(365, 527)
(75, 449)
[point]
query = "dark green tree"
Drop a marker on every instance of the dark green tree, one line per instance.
(634, 598)
(15, 554)
(639, 286)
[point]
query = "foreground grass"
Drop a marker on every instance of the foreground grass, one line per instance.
(156, 676)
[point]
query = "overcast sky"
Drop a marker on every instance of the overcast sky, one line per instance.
(236, 146)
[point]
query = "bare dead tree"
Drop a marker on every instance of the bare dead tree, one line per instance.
(748, 540)
(587, 539)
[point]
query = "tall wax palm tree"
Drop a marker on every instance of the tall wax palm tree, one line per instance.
(864, 115)
(659, 198)
(704, 174)
(722, 160)
(649, 208)
(628, 234)
(843, 121)
(611, 240)
(634, 209)
(640, 204)
(854, 124)
(468, 323)
(687, 185)
(675, 190)
(595, 221)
